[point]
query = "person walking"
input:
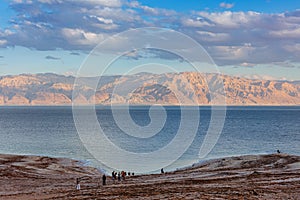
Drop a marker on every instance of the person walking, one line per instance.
(77, 183)
(119, 176)
(123, 175)
(113, 175)
(103, 179)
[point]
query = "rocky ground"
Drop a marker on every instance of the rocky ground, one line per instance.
(275, 176)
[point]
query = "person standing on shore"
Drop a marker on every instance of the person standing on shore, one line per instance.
(119, 176)
(123, 174)
(77, 183)
(103, 179)
(113, 176)
(278, 151)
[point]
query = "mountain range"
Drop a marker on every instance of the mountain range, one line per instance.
(187, 88)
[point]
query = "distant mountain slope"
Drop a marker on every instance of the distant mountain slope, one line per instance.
(189, 88)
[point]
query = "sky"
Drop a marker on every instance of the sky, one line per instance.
(253, 39)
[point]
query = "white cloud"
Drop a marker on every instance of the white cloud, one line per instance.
(17, 1)
(226, 5)
(290, 33)
(150, 10)
(50, 1)
(247, 64)
(3, 42)
(133, 4)
(108, 3)
(195, 23)
(213, 37)
(22, 1)
(5, 33)
(108, 27)
(292, 47)
(71, 72)
(234, 52)
(116, 14)
(230, 19)
(230, 37)
(105, 21)
(81, 37)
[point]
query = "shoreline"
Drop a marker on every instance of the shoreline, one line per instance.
(147, 105)
(268, 176)
(89, 163)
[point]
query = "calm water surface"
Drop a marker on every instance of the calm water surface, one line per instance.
(247, 130)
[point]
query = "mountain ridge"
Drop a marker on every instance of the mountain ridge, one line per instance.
(185, 88)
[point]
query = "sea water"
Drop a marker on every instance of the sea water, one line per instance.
(51, 131)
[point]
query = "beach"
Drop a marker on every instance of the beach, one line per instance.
(273, 176)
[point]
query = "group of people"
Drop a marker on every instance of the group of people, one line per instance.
(120, 175)
(115, 176)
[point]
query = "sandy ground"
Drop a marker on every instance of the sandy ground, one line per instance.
(275, 176)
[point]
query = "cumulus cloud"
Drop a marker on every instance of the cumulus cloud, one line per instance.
(70, 25)
(3, 42)
(109, 3)
(151, 53)
(226, 5)
(244, 38)
(295, 47)
(4, 34)
(289, 33)
(71, 72)
(228, 19)
(198, 22)
(213, 37)
(240, 53)
(80, 37)
(246, 64)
